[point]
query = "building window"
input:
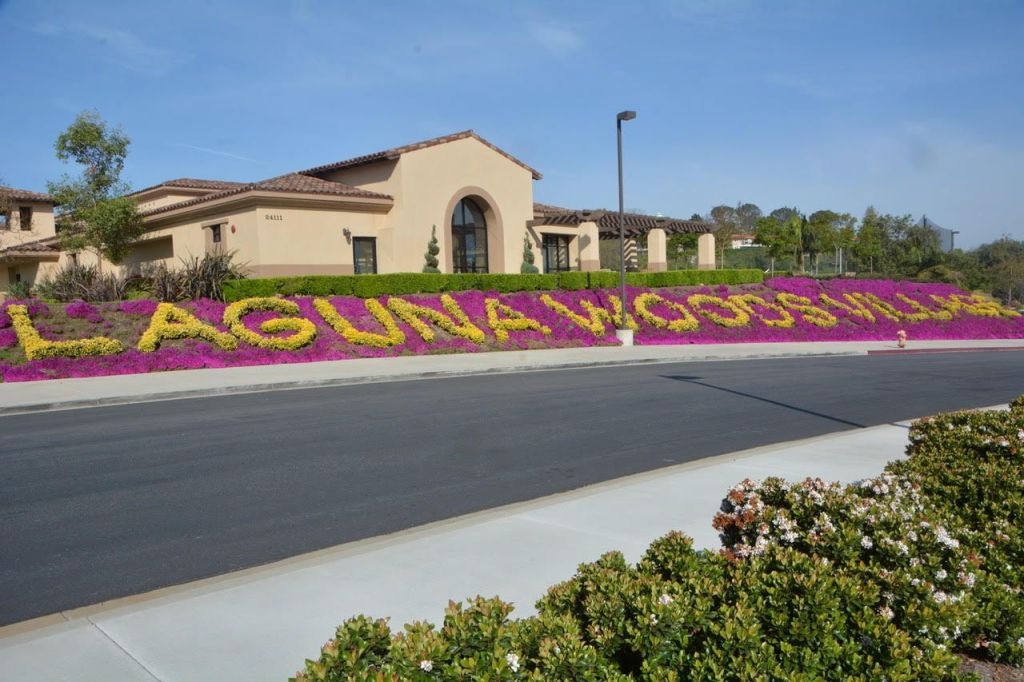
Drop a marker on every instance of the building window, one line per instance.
(556, 252)
(469, 238)
(364, 255)
(214, 238)
(25, 217)
(5, 220)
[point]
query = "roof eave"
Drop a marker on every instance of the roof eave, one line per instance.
(244, 199)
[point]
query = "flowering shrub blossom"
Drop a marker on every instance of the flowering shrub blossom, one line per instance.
(939, 533)
(206, 333)
(878, 529)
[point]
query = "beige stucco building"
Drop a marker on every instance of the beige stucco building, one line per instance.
(372, 213)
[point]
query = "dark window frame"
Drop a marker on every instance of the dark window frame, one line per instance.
(24, 224)
(5, 220)
(460, 229)
(559, 243)
(372, 241)
(216, 234)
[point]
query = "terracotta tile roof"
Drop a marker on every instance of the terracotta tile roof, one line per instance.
(193, 183)
(540, 210)
(608, 221)
(16, 194)
(47, 245)
(395, 152)
(293, 183)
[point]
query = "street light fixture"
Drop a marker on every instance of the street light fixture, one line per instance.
(623, 333)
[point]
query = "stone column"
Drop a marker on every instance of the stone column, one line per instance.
(706, 251)
(590, 252)
(657, 255)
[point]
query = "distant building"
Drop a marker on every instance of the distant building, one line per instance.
(742, 240)
(945, 235)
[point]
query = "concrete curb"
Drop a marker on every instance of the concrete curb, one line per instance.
(266, 386)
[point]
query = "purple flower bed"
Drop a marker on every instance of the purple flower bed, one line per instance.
(126, 321)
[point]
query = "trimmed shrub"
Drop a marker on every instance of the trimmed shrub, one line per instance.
(573, 281)
(969, 467)
(678, 614)
(405, 283)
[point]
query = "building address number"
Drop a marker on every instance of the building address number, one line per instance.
(273, 216)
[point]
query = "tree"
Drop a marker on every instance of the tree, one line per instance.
(747, 216)
(870, 238)
(527, 267)
(94, 212)
(778, 237)
(725, 224)
(820, 235)
(792, 224)
(846, 236)
(784, 214)
(1003, 261)
(432, 250)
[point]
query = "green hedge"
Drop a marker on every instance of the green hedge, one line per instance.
(397, 284)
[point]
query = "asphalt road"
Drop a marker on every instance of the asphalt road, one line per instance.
(106, 502)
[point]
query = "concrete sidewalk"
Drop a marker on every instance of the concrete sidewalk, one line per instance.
(129, 388)
(261, 624)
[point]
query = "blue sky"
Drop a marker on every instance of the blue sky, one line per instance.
(914, 107)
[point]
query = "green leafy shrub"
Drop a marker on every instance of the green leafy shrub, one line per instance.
(19, 290)
(678, 614)
(969, 467)
(938, 533)
(877, 531)
(573, 281)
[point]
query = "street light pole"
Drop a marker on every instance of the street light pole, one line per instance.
(624, 333)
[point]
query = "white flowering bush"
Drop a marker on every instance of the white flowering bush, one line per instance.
(686, 615)
(878, 531)
(969, 468)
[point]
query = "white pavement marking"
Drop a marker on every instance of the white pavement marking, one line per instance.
(262, 623)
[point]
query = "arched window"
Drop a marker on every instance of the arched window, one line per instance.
(469, 238)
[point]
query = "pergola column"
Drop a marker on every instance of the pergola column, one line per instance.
(590, 251)
(632, 263)
(706, 251)
(657, 253)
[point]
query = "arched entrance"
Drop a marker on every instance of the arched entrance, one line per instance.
(469, 237)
